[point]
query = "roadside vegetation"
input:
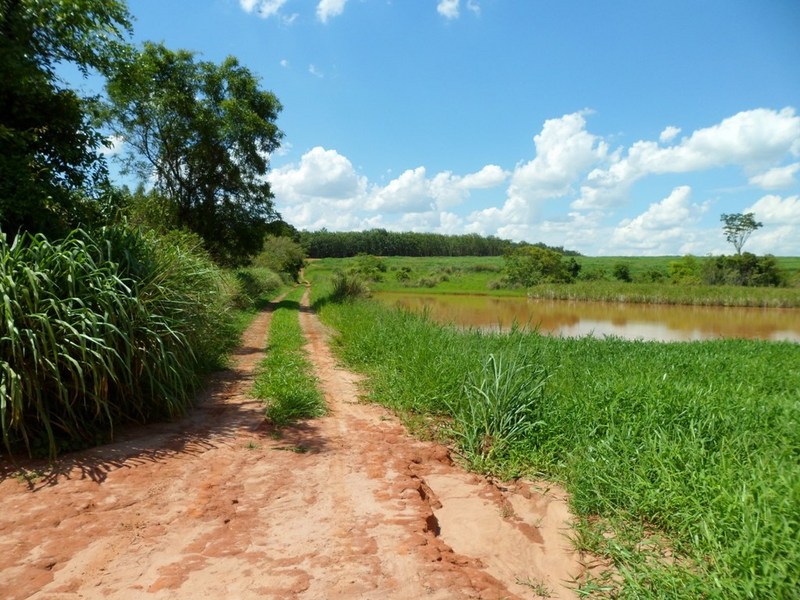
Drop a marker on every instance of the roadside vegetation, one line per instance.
(681, 459)
(116, 303)
(286, 382)
(107, 329)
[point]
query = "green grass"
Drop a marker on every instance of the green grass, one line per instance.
(286, 382)
(690, 450)
(100, 329)
(666, 293)
(480, 275)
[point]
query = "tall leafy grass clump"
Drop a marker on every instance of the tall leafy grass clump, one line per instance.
(102, 329)
(348, 286)
(286, 382)
(500, 407)
(682, 459)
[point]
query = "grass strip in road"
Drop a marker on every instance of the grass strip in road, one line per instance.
(682, 459)
(286, 382)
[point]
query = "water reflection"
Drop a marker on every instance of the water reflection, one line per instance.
(632, 321)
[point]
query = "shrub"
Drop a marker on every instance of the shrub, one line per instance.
(744, 269)
(532, 265)
(348, 286)
(685, 271)
(404, 274)
(281, 255)
(622, 272)
(370, 267)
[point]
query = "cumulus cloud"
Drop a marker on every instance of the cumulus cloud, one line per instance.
(330, 8)
(774, 210)
(750, 139)
(321, 174)
(488, 177)
(661, 227)
(777, 178)
(564, 152)
(407, 193)
(564, 149)
(781, 232)
(414, 191)
(325, 188)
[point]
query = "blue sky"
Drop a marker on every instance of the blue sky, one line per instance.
(613, 128)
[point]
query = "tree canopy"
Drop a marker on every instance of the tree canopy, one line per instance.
(49, 161)
(738, 227)
(203, 133)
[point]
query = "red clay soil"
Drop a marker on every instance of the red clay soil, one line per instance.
(219, 506)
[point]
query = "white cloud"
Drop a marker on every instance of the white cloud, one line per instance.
(330, 8)
(413, 191)
(774, 210)
(410, 192)
(564, 151)
(488, 177)
(284, 63)
(315, 71)
(661, 228)
(263, 8)
(669, 133)
(777, 178)
(751, 140)
(448, 8)
(780, 234)
(321, 174)
(474, 7)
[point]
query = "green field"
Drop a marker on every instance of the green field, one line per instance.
(481, 275)
(682, 460)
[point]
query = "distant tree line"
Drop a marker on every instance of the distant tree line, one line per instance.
(379, 242)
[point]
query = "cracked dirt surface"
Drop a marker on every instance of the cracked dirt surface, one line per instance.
(217, 506)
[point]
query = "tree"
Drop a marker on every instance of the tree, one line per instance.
(532, 265)
(49, 162)
(738, 227)
(203, 133)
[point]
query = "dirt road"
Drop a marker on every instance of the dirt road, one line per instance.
(217, 506)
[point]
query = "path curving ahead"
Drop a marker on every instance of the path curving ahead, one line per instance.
(218, 506)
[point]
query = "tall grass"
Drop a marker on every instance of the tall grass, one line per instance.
(499, 408)
(286, 382)
(696, 444)
(99, 330)
(668, 293)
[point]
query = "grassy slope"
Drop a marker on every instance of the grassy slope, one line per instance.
(696, 444)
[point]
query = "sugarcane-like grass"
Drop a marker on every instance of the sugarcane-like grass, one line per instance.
(286, 382)
(102, 329)
(682, 459)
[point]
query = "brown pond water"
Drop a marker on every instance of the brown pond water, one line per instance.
(658, 322)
